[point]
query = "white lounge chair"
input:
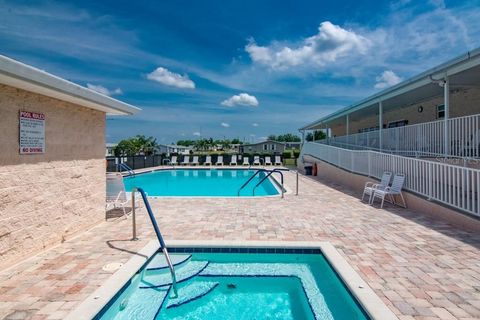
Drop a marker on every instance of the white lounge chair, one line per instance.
(278, 161)
(173, 161)
(246, 161)
(219, 161)
(116, 195)
(268, 161)
(256, 160)
(186, 160)
(370, 186)
(208, 161)
(233, 161)
(394, 190)
(195, 161)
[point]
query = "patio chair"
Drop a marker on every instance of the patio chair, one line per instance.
(268, 161)
(278, 161)
(246, 161)
(116, 194)
(186, 160)
(173, 161)
(370, 186)
(195, 161)
(219, 161)
(256, 160)
(233, 161)
(394, 190)
(208, 161)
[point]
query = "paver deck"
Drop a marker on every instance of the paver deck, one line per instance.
(421, 268)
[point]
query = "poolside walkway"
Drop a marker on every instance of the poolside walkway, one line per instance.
(421, 268)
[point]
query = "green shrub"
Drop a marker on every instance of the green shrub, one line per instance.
(296, 153)
(286, 155)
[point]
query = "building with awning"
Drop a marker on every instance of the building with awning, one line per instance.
(427, 127)
(439, 109)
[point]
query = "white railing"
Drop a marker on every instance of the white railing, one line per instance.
(419, 140)
(455, 186)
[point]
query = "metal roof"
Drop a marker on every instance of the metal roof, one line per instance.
(461, 63)
(19, 75)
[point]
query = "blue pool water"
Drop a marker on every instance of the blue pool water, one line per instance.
(201, 182)
(232, 286)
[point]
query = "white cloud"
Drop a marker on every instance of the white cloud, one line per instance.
(103, 90)
(242, 99)
(329, 44)
(224, 124)
(255, 124)
(387, 79)
(170, 78)
(198, 134)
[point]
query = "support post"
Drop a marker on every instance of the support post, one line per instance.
(348, 124)
(446, 102)
(296, 191)
(380, 125)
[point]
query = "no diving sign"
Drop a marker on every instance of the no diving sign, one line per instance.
(32, 132)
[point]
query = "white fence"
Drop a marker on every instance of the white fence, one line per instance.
(455, 186)
(424, 139)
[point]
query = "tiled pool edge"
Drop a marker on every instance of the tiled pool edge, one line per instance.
(366, 297)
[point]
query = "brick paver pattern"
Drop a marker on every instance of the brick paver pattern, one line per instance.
(421, 268)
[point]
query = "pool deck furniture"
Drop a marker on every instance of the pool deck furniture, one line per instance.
(174, 161)
(116, 195)
(256, 160)
(246, 161)
(195, 161)
(391, 191)
(208, 161)
(186, 160)
(370, 186)
(268, 161)
(278, 161)
(233, 161)
(219, 161)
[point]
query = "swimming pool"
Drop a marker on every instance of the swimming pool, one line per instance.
(201, 182)
(236, 283)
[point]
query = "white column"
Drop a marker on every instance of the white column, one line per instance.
(303, 137)
(446, 103)
(380, 124)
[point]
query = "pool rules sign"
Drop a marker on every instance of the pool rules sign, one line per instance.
(32, 132)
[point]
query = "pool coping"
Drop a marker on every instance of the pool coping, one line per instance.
(276, 184)
(366, 297)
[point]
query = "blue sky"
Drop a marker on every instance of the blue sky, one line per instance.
(232, 69)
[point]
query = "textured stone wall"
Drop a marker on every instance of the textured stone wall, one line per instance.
(48, 197)
(462, 103)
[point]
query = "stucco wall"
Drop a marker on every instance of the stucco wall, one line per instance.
(48, 197)
(462, 103)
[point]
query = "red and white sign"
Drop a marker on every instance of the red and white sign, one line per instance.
(32, 132)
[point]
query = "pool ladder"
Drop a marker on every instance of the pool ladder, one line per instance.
(268, 174)
(125, 167)
(157, 232)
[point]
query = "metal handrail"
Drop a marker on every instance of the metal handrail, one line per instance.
(250, 179)
(270, 172)
(157, 232)
(127, 168)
